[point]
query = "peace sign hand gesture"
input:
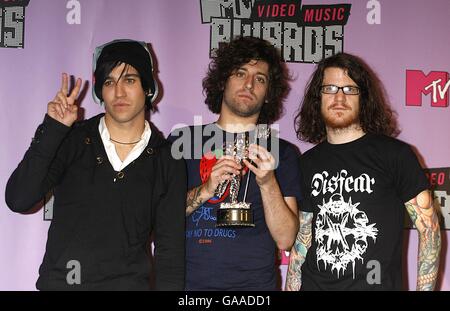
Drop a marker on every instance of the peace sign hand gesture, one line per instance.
(63, 108)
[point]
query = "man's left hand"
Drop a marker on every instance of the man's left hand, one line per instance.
(265, 164)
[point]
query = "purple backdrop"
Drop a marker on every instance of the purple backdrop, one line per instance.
(411, 35)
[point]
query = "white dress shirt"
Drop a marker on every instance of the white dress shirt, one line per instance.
(110, 148)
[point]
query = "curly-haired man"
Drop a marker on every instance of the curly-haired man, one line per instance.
(246, 85)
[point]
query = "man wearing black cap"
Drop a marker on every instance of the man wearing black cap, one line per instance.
(114, 181)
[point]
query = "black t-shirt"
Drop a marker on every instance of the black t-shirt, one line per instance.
(236, 258)
(357, 192)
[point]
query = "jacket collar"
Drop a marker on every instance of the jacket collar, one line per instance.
(156, 139)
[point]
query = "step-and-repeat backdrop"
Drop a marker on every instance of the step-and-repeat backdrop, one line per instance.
(405, 41)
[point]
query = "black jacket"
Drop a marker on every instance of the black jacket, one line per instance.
(104, 219)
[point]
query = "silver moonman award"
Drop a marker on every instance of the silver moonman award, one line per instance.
(234, 213)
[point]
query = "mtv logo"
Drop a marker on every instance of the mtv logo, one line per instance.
(225, 9)
(417, 83)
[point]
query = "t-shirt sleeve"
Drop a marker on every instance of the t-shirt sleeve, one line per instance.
(288, 173)
(305, 204)
(183, 146)
(410, 178)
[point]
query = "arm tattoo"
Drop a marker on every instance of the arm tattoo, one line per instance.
(194, 200)
(298, 252)
(426, 221)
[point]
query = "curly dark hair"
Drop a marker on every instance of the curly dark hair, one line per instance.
(375, 113)
(241, 50)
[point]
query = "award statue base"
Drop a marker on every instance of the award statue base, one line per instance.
(235, 215)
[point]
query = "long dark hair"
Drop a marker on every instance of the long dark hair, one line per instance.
(375, 113)
(230, 56)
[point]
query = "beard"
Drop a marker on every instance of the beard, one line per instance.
(243, 108)
(339, 120)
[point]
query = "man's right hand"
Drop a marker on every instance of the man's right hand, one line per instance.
(223, 170)
(63, 108)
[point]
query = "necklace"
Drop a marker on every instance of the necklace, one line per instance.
(119, 142)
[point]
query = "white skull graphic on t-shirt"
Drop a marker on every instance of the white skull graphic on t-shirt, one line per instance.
(341, 229)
